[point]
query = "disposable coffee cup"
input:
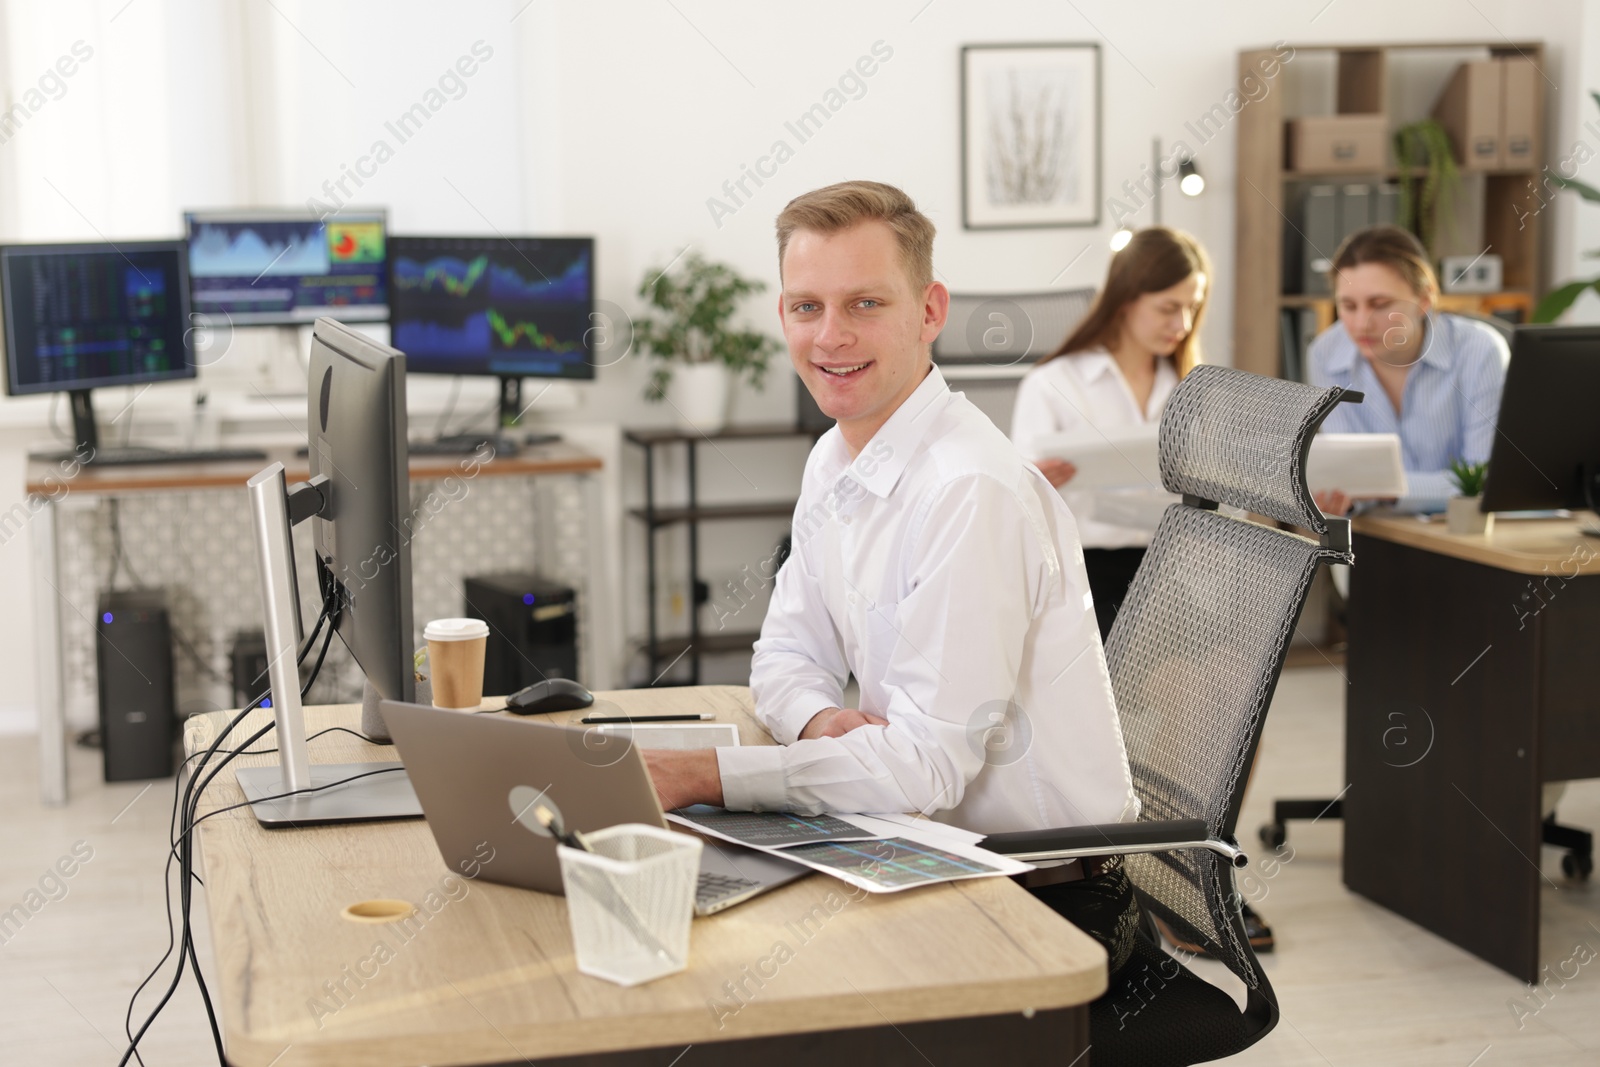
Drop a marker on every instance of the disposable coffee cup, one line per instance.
(455, 656)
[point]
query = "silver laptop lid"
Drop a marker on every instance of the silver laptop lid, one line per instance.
(480, 776)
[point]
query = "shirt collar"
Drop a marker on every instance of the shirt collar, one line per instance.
(1093, 364)
(1344, 356)
(879, 466)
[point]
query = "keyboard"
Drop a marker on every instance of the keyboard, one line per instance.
(466, 444)
(128, 457)
(716, 891)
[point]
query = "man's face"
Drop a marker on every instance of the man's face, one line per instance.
(857, 327)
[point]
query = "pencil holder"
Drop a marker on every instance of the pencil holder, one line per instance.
(631, 901)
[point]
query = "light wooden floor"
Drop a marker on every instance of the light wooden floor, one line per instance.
(1358, 985)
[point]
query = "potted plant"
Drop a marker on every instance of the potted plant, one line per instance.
(1462, 513)
(697, 352)
(1425, 198)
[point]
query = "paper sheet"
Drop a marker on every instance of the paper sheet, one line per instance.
(913, 853)
(1117, 457)
(1363, 465)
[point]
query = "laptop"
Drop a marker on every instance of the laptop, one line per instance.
(478, 778)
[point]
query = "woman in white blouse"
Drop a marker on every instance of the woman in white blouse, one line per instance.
(1117, 370)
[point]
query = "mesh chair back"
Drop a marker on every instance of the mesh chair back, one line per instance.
(1236, 438)
(1201, 636)
(1002, 330)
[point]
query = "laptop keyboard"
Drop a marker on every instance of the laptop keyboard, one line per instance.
(714, 888)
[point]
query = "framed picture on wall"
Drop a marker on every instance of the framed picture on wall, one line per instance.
(1030, 135)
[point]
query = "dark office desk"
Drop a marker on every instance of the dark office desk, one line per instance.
(1472, 682)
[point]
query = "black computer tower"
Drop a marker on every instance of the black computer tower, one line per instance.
(533, 630)
(249, 662)
(138, 703)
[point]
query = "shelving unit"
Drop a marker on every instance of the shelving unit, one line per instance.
(663, 652)
(1267, 192)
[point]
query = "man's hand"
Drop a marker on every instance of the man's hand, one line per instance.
(836, 722)
(1058, 471)
(1333, 502)
(684, 778)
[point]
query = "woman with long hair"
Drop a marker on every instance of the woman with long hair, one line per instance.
(1116, 370)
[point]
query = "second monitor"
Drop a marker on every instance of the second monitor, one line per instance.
(510, 308)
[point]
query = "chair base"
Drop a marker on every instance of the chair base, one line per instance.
(1578, 863)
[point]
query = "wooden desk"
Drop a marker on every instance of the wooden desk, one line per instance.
(968, 972)
(44, 479)
(54, 608)
(1471, 684)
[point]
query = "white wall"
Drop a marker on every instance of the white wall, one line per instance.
(620, 119)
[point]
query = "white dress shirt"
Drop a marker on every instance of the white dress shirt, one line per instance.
(1085, 392)
(942, 570)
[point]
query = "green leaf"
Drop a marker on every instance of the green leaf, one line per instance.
(1588, 192)
(1559, 300)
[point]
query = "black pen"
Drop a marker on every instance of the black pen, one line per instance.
(599, 720)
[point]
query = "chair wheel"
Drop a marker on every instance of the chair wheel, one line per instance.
(1273, 835)
(1577, 865)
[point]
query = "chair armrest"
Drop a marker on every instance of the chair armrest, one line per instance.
(1070, 842)
(1106, 836)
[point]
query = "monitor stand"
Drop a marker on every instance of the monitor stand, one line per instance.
(88, 453)
(502, 443)
(85, 434)
(383, 795)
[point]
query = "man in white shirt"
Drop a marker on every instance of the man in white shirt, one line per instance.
(931, 561)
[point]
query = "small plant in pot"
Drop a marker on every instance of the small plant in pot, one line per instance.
(1462, 513)
(696, 350)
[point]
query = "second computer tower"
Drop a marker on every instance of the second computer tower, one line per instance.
(533, 629)
(138, 704)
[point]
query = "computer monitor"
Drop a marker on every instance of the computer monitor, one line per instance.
(358, 501)
(356, 421)
(285, 268)
(509, 307)
(1546, 450)
(86, 316)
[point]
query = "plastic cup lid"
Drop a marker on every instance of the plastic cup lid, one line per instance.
(455, 630)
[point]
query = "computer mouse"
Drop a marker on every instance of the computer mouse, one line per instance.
(552, 694)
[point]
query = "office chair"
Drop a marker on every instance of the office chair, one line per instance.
(1003, 330)
(1194, 658)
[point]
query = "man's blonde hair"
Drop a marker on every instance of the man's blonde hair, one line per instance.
(839, 207)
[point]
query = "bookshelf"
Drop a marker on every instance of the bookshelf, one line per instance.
(1496, 211)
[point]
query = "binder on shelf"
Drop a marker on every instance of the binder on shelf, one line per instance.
(1355, 209)
(1386, 205)
(1289, 333)
(1319, 222)
(1308, 333)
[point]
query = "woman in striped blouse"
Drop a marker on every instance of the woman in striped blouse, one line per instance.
(1431, 377)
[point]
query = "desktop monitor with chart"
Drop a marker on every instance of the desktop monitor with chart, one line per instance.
(87, 316)
(504, 307)
(286, 268)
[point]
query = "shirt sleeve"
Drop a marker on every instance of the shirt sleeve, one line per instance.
(975, 573)
(1342, 418)
(799, 665)
(1031, 417)
(1477, 401)
(1480, 385)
